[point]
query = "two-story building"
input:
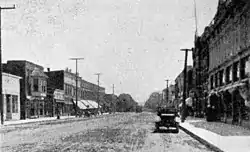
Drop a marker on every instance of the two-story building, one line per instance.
(62, 90)
(33, 87)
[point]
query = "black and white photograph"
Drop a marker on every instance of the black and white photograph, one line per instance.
(125, 75)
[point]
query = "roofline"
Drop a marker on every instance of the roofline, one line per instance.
(11, 75)
(25, 62)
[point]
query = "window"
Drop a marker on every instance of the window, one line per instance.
(35, 84)
(14, 104)
(221, 77)
(216, 80)
(211, 82)
(242, 68)
(44, 86)
(235, 71)
(8, 103)
(247, 67)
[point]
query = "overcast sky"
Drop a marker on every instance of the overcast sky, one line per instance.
(134, 43)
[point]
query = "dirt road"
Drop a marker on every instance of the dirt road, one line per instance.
(109, 133)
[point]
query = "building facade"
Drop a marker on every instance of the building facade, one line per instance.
(62, 91)
(11, 96)
(179, 83)
(229, 45)
(171, 95)
(33, 87)
(90, 91)
(201, 64)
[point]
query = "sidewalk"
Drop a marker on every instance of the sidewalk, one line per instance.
(16, 122)
(238, 143)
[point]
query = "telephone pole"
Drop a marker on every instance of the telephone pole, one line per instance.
(98, 96)
(184, 83)
(113, 95)
(76, 59)
(1, 68)
(167, 91)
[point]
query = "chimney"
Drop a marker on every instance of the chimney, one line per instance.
(48, 69)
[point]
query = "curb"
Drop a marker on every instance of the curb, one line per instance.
(54, 121)
(202, 141)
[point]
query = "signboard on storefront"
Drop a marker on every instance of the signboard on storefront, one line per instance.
(58, 94)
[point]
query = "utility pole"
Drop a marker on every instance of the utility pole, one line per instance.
(167, 91)
(1, 68)
(113, 95)
(76, 59)
(184, 84)
(98, 96)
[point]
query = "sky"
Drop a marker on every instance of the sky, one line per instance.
(135, 44)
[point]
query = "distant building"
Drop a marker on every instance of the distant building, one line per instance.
(179, 83)
(171, 95)
(11, 96)
(33, 87)
(62, 91)
(91, 90)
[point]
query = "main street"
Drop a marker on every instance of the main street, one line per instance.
(116, 132)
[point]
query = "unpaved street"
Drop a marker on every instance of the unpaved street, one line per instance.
(119, 132)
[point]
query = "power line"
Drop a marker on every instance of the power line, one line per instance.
(1, 68)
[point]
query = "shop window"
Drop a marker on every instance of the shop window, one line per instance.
(41, 109)
(35, 84)
(14, 104)
(8, 103)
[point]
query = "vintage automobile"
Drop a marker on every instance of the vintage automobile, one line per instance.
(168, 118)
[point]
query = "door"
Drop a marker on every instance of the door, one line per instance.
(8, 107)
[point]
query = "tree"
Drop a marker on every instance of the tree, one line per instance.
(153, 101)
(126, 103)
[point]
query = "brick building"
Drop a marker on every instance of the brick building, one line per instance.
(62, 91)
(229, 43)
(201, 64)
(33, 87)
(179, 83)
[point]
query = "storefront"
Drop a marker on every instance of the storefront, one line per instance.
(11, 96)
(59, 102)
(36, 106)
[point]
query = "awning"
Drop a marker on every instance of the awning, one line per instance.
(93, 103)
(80, 105)
(88, 104)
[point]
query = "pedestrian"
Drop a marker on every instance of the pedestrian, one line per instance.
(189, 104)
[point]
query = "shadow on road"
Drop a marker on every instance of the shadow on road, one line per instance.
(165, 131)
